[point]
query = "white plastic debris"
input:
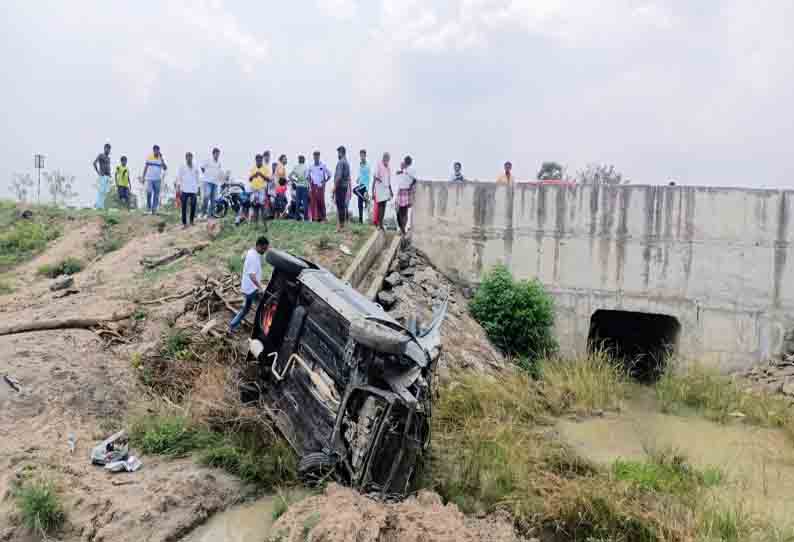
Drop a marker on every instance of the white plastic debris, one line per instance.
(72, 440)
(130, 465)
(346, 250)
(114, 448)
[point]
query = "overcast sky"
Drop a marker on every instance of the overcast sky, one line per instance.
(696, 90)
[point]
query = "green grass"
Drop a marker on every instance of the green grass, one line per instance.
(665, 473)
(68, 266)
(306, 239)
(310, 523)
(40, 507)
(170, 435)
(5, 287)
(251, 456)
(720, 398)
(21, 239)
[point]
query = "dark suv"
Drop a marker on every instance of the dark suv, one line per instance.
(348, 386)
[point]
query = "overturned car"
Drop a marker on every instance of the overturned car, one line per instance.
(347, 385)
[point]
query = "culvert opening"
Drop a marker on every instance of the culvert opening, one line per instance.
(641, 341)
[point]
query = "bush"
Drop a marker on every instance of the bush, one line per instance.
(169, 435)
(517, 315)
(69, 266)
(23, 238)
(40, 508)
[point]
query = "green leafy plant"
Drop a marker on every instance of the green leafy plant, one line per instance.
(517, 315)
(40, 507)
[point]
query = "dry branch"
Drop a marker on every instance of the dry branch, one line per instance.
(64, 323)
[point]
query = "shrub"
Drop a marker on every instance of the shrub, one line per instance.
(587, 383)
(41, 510)
(69, 266)
(22, 239)
(169, 435)
(517, 315)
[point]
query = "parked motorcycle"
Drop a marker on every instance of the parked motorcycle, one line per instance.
(232, 195)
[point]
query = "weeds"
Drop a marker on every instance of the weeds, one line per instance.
(40, 507)
(68, 266)
(310, 523)
(593, 382)
(271, 464)
(666, 472)
(170, 435)
(20, 240)
(720, 398)
(5, 287)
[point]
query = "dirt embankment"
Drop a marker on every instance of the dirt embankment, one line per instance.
(341, 514)
(72, 383)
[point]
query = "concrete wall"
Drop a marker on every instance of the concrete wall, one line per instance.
(715, 258)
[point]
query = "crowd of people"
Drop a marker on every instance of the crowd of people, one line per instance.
(271, 191)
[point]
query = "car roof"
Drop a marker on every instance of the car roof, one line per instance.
(342, 297)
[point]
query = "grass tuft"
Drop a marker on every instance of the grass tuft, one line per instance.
(588, 383)
(720, 398)
(40, 507)
(68, 266)
(170, 435)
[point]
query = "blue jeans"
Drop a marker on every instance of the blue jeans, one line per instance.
(155, 191)
(102, 191)
(302, 207)
(209, 198)
(238, 318)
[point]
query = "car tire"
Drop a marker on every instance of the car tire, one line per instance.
(219, 209)
(285, 262)
(315, 468)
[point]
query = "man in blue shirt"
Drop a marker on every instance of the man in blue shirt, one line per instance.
(364, 179)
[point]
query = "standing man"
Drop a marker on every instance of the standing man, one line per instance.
(122, 177)
(381, 190)
(318, 175)
(187, 180)
(258, 180)
(153, 174)
(102, 168)
(342, 188)
(363, 181)
(457, 173)
(507, 176)
(300, 180)
(212, 171)
(251, 283)
(405, 194)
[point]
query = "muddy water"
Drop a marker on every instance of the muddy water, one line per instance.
(758, 464)
(245, 523)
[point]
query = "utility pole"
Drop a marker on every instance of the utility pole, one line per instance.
(38, 163)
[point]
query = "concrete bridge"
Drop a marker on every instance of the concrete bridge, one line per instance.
(704, 270)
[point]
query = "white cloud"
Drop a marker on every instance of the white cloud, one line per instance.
(344, 10)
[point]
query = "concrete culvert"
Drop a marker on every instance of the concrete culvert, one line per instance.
(642, 341)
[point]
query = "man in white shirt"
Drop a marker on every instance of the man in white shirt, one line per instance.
(213, 175)
(187, 180)
(251, 282)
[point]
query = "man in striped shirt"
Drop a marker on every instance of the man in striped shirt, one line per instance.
(153, 176)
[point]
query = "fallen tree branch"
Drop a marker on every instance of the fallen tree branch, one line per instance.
(178, 254)
(167, 298)
(65, 323)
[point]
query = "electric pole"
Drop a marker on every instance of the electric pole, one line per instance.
(38, 163)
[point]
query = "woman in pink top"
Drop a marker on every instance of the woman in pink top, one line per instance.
(381, 190)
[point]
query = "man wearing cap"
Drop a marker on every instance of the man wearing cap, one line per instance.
(318, 176)
(342, 187)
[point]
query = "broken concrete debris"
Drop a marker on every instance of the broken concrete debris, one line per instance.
(387, 299)
(393, 280)
(775, 376)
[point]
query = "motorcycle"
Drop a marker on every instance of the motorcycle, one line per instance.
(232, 195)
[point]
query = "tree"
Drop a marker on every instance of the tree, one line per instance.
(550, 171)
(61, 186)
(22, 186)
(600, 174)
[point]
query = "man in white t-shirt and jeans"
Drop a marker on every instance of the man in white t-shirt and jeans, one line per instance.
(213, 176)
(251, 283)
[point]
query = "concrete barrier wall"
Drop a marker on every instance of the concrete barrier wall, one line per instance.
(715, 258)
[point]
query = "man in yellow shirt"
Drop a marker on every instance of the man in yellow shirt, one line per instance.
(258, 179)
(123, 182)
(507, 176)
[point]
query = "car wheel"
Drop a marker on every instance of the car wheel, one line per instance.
(285, 262)
(220, 209)
(315, 468)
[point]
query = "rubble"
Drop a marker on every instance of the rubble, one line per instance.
(387, 299)
(775, 376)
(417, 289)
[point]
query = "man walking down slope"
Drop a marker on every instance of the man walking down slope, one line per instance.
(251, 280)
(187, 180)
